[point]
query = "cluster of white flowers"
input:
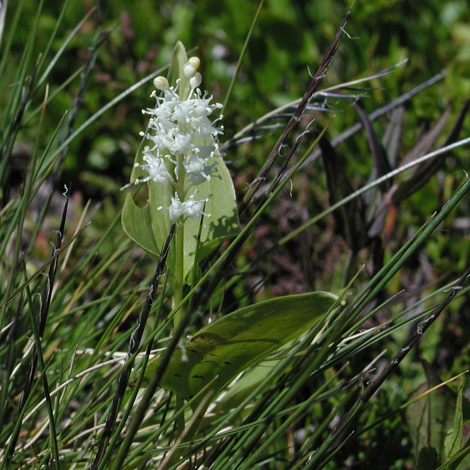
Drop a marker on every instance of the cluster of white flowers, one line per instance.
(190, 208)
(181, 133)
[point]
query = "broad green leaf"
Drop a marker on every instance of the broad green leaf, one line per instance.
(252, 378)
(227, 347)
(149, 227)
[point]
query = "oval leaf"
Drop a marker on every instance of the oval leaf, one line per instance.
(223, 349)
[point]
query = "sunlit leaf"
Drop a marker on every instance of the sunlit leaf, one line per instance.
(223, 349)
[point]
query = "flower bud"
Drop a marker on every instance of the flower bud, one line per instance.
(161, 83)
(189, 70)
(195, 62)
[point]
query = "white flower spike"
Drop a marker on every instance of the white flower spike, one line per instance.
(183, 139)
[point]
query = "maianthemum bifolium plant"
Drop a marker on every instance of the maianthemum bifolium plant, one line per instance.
(285, 383)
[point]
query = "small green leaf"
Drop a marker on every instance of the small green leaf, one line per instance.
(145, 226)
(177, 61)
(456, 450)
(223, 349)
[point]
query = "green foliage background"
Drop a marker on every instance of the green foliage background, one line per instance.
(288, 43)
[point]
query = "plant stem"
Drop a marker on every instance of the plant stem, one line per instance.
(178, 280)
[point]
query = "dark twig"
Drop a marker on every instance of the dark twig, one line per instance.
(314, 84)
(421, 328)
(384, 110)
(204, 294)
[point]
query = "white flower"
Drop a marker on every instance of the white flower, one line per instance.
(195, 164)
(176, 208)
(182, 126)
(196, 167)
(190, 208)
(193, 209)
(156, 168)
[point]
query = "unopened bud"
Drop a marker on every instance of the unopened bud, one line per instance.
(189, 70)
(195, 62)
(161, 83)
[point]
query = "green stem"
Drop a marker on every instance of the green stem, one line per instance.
(178, 280)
